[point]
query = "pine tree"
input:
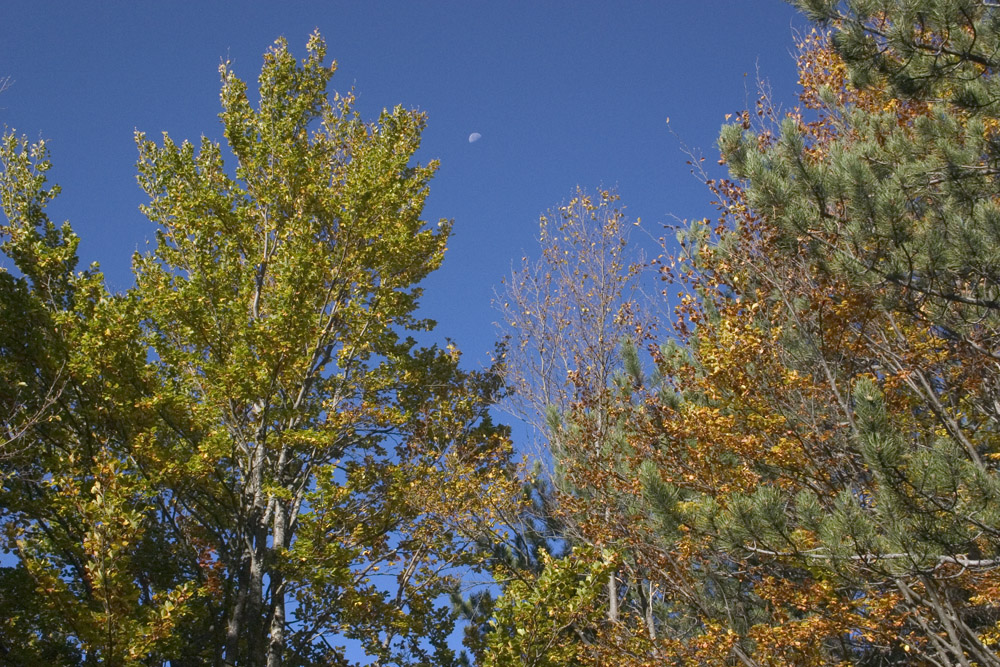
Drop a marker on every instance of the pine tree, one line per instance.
(813, 476)
(887, 196)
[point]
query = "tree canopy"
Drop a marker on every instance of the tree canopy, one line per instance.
(809, 476)
(247, 459)
(244, 458)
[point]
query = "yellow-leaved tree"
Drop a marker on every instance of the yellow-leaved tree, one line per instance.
(244, 459)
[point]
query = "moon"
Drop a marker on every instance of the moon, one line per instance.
(474, 137)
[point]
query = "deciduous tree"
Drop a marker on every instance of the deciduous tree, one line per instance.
(246, 461)
(814, 476)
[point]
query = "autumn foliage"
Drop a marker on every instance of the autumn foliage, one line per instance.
(246, 458)
(809, 476)
(788, 456)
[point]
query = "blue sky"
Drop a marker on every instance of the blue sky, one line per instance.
(563, 93)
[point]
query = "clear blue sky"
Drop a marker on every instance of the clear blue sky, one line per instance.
(563, 93)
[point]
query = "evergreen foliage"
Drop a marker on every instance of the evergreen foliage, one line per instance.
(247, 460)
(813, 474)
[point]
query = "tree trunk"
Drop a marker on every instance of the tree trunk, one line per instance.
(234, 624)
(612, 584)
(613, 598)
(245, 620)
(276, 645)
